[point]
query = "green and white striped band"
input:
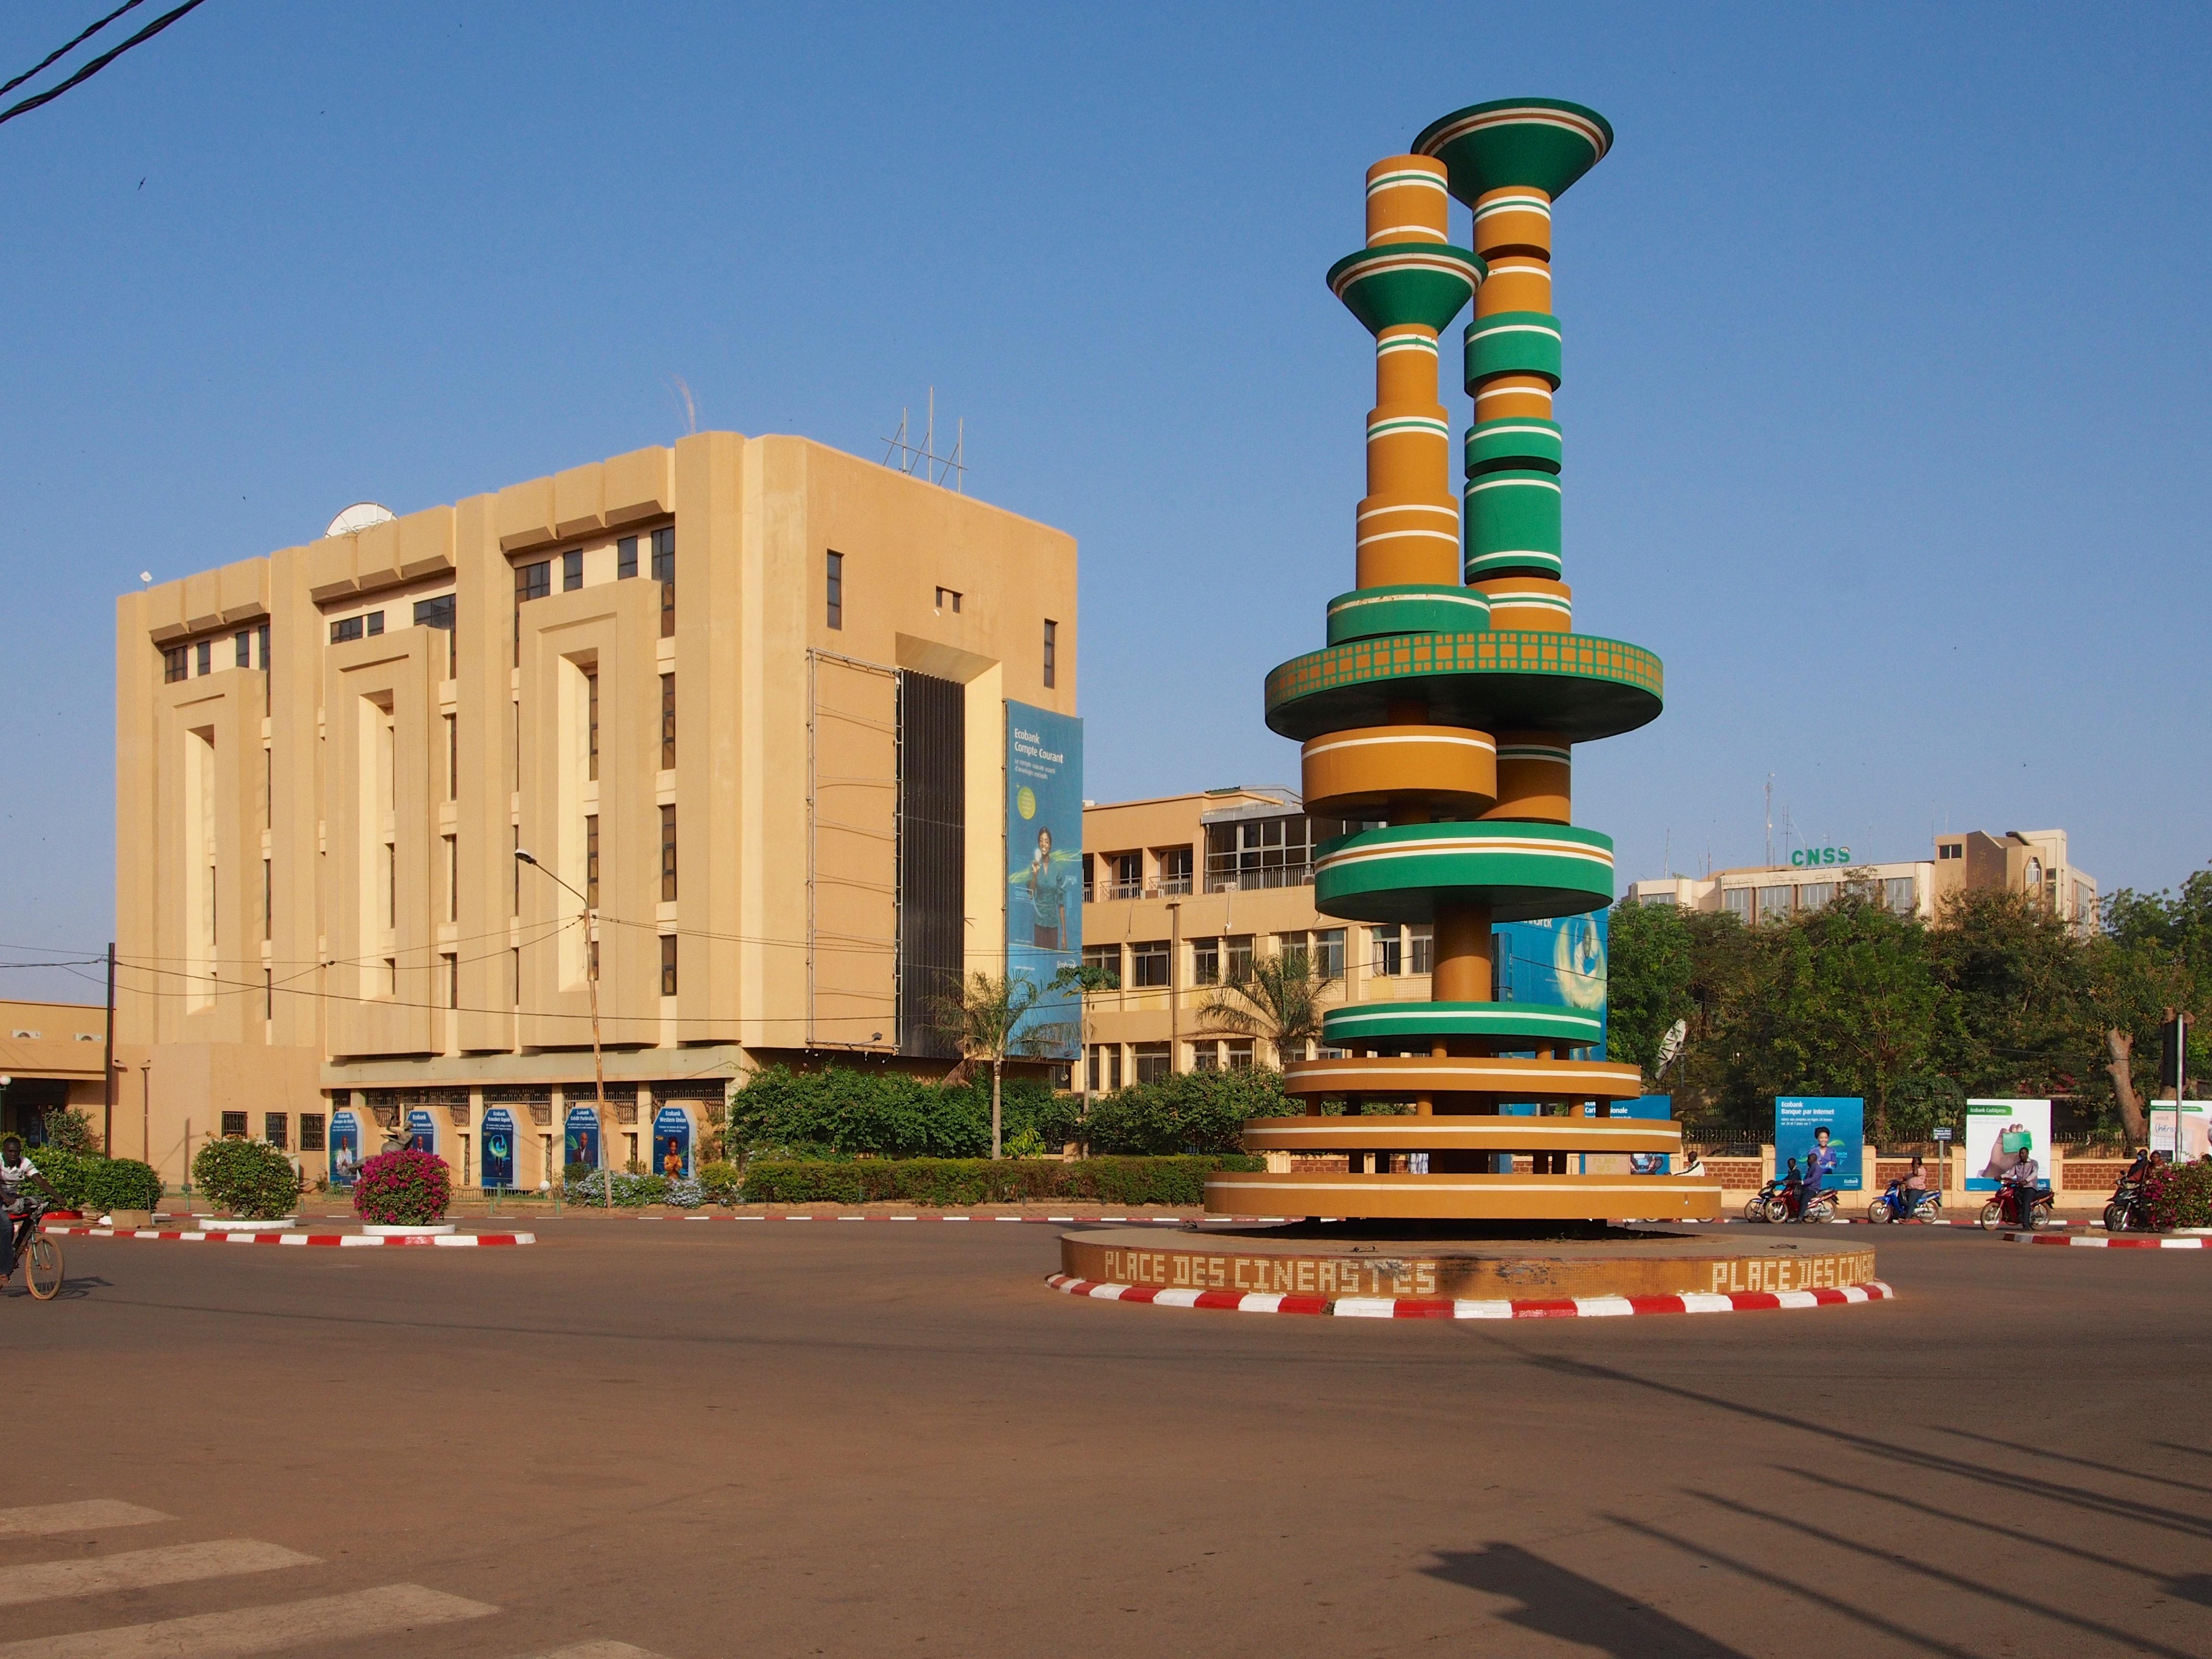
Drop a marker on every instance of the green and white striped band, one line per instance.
(1513, 204)
(1396, 426)
(1536, 751)
(1403, 177)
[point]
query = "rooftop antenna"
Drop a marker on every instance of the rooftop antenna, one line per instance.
(900, 452)
(1770, 820)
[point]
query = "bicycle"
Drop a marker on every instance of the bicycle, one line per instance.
(40, 1256)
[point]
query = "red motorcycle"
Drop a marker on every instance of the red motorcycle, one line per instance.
(2004, 1210)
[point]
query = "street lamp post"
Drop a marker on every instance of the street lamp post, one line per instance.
(592, 978)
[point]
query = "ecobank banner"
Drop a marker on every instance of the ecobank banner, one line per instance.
(2000, 1133)
(2186, 1133)
(1822, 1131)
(1561, 960)
(1044, 873)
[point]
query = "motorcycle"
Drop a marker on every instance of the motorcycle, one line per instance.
(1771, 1203)
(2004, 1210)
(2128, 1213)
(1927, 1207)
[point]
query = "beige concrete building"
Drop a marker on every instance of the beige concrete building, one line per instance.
(1181, 892)
(2031, 862)
(747, 697)
(50, 1058)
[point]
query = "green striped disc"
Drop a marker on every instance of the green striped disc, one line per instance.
(1372, 1024)
(1511, 524)
(1512, 342)
(1522, 871)
(1406, 608)
(1544, 143)
(1513, 442)
(1418, 284)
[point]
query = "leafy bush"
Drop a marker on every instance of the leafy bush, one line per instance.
(1119, 1181)
(66, 1172)
(573, 1173)
(68, 1129)
(120, 1183)
(889, 1114)
(685, 1193)
(1192, 1112)
(249, 1178)
(720, 1183)
(405, 1188)
(2179, 1195)
(630, 1191)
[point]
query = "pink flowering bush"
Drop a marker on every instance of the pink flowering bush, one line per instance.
(406, 1188)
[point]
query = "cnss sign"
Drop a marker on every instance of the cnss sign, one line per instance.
(1805, 856)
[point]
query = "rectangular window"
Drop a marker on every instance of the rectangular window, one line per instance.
(1816, 895)
(344, 629)
(664, 572)
(1388, 959)
(1174, 870)
(452, 962)
(268, 788)
(1240, 1054)
(1205, 1056)
(373, 623)
(268, 993)
(1897, 893)
(1425, 948)
(1105, 1064)
(836, 590)
(1129, 875)
(1774, 902)
(591, 719)
(531, 582)
(1736, 901)
(268, 894)
(1051, 654)
(310, 1132)
(514, 976)
(626, 558)
(1259, 852)
(1238, 952)
(234, 1126)
(1329, 952)
(668, 964)
(175, 664)
(453, 878)
(1107, 958)
(1148, 963)
(242, 649)
(1951, 849)
(572, 570)
(276, 1129)
(205, 652)
(1155, 1063)
(515, 866)
(263, 634)
(592, 859)
(1205, 962)
(948, 600)
(391, 886)
(439, 613)
(667, 853)
(452, 757)
(668, 722)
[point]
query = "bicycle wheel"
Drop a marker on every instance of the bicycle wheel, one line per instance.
(42, 1266)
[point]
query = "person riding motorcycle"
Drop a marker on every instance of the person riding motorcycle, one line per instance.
(1793, 1193)
(1905, 1194)
(2026, 1188)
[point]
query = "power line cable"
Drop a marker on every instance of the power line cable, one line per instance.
(48, 61)
(97, 64)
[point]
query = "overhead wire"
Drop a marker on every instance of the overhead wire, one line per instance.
(96, 64)
(63, 51)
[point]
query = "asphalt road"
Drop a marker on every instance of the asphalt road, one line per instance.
(773, 1439)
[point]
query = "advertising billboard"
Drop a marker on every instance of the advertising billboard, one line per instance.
(422, 1132)
(498, 1172)
(1999, 1135)
(580, 1137)
(1044, 873)
(672, 1142)
(345, 1148)
(2187, 1136)
(1827, 1134)
(1559, 960)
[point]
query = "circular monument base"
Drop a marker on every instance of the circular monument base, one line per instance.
(1306, 1261)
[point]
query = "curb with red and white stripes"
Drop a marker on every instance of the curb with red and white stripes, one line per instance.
(2108, 1242)
(1377, 1307)
(341, 1240)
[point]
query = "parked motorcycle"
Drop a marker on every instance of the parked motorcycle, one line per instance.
(2129, 1212)
(2004, 1210)
(1771, 1203)
(1928, 1207)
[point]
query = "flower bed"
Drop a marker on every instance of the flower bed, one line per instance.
(405, 1188)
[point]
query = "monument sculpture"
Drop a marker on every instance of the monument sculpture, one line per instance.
(1443, 715)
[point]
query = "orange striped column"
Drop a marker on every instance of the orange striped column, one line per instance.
(1409, 522)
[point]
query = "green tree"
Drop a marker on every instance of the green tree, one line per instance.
(2015, 1016)
(1278, 998)
(1651, 963)
(1086, 980)
(984, 1017)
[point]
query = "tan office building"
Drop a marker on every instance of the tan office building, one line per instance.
(1180, 893)
(748, 697)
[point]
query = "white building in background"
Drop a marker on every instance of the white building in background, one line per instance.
(2032, 862)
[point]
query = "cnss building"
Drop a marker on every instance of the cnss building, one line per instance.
(747, 699)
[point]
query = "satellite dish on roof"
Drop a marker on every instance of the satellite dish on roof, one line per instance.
(359, 517)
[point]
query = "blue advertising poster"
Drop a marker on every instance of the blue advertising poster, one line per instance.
(498, 1148)
(1561, 960)
(672, 1142)
(1044, 872)
(1657, 1107)
(345, 1148)
(580, 1137)
(1826, 1134)
(422, 1132)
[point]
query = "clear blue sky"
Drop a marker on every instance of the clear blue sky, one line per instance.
(1886, 389)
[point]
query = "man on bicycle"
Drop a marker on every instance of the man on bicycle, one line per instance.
(17, 1173)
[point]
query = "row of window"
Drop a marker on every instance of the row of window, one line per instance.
(1151, 1062)
(276, 1129)
(1391, 952)
(181, 662)
(534, 581)
(833, 579)
(1897, 894)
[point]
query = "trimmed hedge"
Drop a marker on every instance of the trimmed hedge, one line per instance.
(96, 1184)
(843, 1109)
(1190, 1112)
(1175, 1181)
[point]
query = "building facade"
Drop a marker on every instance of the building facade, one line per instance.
(50, 1055)
(2034, 863)
(744, 700)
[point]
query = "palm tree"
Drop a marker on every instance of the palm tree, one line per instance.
(982, 1016)
(1277, 998)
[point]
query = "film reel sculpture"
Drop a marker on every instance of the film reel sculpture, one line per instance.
(1447, 704)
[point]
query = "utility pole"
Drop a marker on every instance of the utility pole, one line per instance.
(107, 1071)
(592, 978)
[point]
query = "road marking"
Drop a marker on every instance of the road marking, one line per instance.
(389, 1609)
(172, 1564)
(89, 1515)
(599, 1651)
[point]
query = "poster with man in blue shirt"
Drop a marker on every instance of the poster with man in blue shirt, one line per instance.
(1827, 1134)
